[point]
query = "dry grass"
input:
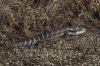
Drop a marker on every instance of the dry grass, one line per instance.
(23, 19)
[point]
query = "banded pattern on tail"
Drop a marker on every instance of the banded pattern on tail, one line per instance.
(50, 34)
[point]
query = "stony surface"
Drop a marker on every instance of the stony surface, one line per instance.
(23, 19)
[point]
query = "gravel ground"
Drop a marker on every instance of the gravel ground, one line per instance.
(23, 19)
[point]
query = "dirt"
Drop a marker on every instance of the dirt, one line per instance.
(23, 19)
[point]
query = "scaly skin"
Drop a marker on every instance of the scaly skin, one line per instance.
(48, 35)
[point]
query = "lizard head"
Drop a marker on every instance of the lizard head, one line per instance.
(75, 31)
